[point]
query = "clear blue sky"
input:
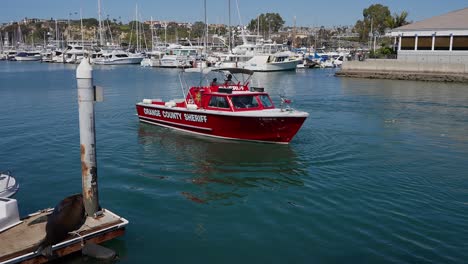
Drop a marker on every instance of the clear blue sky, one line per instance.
(307, 12)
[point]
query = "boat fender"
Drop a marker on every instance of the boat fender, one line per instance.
(192, 107)
(170, 104)
(147, 101)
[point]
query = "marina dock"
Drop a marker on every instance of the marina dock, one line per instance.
(19, 243)
(403, 70)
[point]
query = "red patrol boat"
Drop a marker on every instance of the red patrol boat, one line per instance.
(228, 110)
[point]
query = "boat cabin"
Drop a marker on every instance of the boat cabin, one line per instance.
(229, 97)
(232, 95)
(115, 55)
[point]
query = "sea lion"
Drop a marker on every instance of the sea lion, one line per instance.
(68, 215)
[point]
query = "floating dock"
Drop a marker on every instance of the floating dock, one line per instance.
(20, 242)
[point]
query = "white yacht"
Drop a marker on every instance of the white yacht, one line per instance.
(153, 59)
(339, 61)
(9, 54)
(232, 60)
(179, 57)
(58, 56)
(280, 61)
(28, 56)
(116, 57)
(74, 54)
(257, 54)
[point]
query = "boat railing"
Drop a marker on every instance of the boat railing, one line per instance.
(285, 104)
(6, 174)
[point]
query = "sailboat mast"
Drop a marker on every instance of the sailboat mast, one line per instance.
(136, 26)
(244, 39)
(258, 25)
(56, 32)
(165, 34)
(81, 21)
(206, 35)
(152, 34)
(229, 26)
(101, 37)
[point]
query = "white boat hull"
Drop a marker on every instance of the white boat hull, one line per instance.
(130, 60)
(261, 64)
(8, 185)
(28, 58)
(151, 62)
(172, 61)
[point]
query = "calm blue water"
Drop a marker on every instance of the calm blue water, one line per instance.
(378, 173)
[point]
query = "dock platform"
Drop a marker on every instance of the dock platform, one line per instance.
(20, 242)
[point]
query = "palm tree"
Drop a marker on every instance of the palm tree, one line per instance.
(397, 20)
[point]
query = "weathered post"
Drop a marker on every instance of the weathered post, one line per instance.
(86, 98)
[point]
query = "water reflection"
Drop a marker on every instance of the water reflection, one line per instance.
(221, 169)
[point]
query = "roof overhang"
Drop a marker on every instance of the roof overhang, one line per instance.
(429, 32)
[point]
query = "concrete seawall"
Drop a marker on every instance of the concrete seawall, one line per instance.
(402, 70)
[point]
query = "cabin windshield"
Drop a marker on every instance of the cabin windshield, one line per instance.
(266, 102)
(184, 52)
(244, 101)
(218, 101)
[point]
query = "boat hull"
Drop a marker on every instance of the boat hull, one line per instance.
(272, 126)
(150, 62)
(8, 186)
(261, 64)
(28, 58)
(173, 61)
(134, 60)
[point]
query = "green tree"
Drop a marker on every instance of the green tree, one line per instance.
(90, 22)
(269, 22)
(377, 14)
(362, 28)
(375, 17)
(198, 29)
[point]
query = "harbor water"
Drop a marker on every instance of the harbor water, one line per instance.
(377, 174)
